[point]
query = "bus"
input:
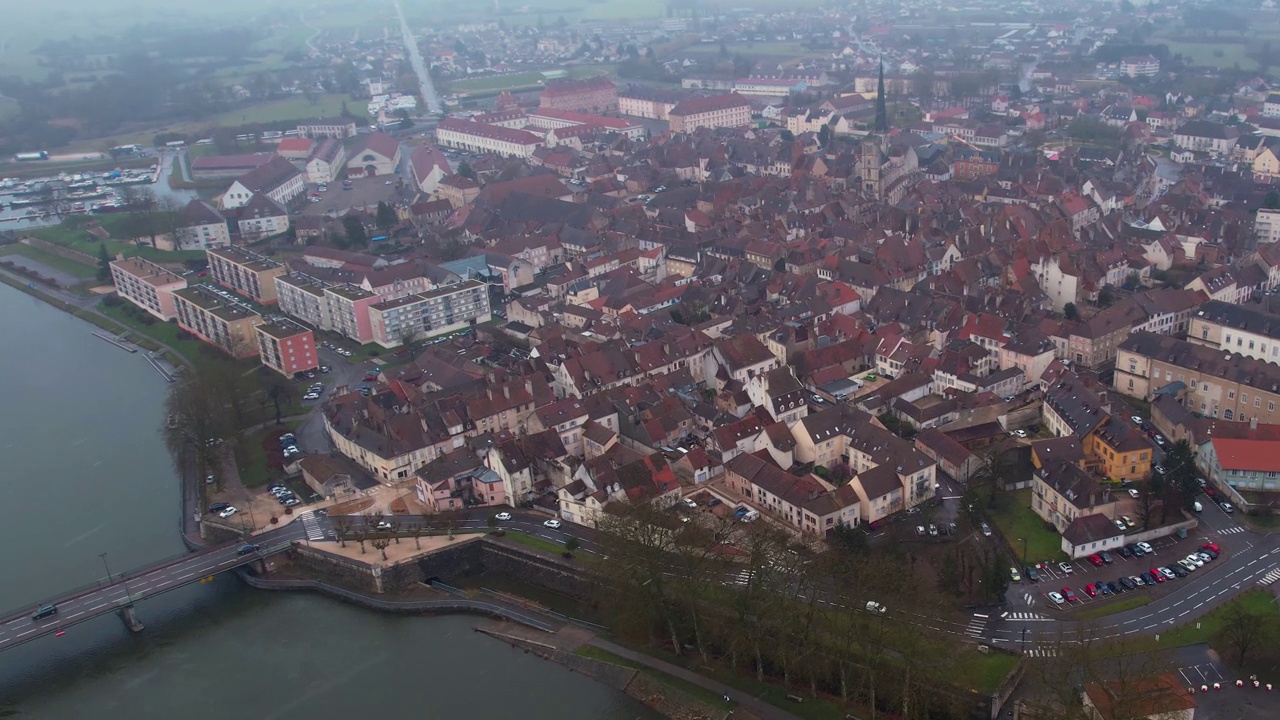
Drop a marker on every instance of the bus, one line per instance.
(176, 144)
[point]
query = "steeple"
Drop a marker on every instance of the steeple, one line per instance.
(882, 112)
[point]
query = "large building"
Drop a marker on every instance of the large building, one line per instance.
(1248, 331)
(278, 179)
(348, 311)
(1140, 66)
(647, 102)
(326, 161)
(146, 285)
(302, 297)
(550, 119)
(340, 128)
(245, 272)
(594, 95)
(442, 310)
(1211, 382)
(429, 166)
(201, 226)
(259, 218)
(223, 323)
(482, 138)
(376, 154)
(225, 167)
(730, 110)
(287, 347)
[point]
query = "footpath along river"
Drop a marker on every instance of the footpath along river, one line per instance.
(83, 472)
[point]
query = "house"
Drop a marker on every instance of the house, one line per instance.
(259, 218)
(780, 393)
(200, 225)
(375, 154)
(1243, 330)
(1163, 697)
(805, 502)
(1205, 136)
(1091, 534)
(621, 475)
(1063, 492)
(1121, 450)
(459, 479)
(1271, 107)
(326, 161)
(1249, 466)
(951, 457)
(429, 166)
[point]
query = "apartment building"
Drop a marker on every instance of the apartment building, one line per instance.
(1209, 381)
(594, 95)
(552, 119)
(326, 161)
(1139, 66)
(200, 225)
(348, 311)
(245, 272)
(647, 102)
(340, 128)
(729, 110)
(302, 297)
(445, 309)
(1250, 464)
(805, 503)
(1062, 492)
(1248, 331)
(277, 178)
(1266, 225)
(223, 323)
(147, 285)
(287, 347)
(478, 137)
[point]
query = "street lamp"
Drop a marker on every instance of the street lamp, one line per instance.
(1024, 550)
(123, 580)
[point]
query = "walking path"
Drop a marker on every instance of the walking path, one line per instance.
(756, 706)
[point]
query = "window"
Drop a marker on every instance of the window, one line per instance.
(1231, 394)
(1227, 414)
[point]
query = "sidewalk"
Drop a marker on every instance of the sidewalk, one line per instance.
(755, 706)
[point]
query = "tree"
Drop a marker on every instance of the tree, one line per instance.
(410, 339)
(824, 135)
(1180, 471)
(386, 216)
(787, 135)
(104, 263)
(279, 391)
(571, 544)
(1271, 201)
(1070, 312)
(1245, 630)
(355, 232)
(1106, 296)
(381, 545)
(464, 169)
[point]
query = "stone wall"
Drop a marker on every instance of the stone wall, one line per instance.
(563, 576)
(356, 574)
(60, 251)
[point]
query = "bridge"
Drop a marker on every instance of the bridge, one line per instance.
(119, 593)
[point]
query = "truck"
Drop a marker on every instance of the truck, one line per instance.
(30, 156)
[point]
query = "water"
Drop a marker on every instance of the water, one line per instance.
(83, 471)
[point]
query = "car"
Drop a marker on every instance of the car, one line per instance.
(324, 368)
(660, 188)
(553, 524)
(1032, 574)
(284, 498)
(1106, 557)
(502, 516)
(1147, 579)
(919, 530)
(1129, 583)
(1136, 420)
(247, 549)
(44, 611)
(1125, 551)
(274, 487)
(1195, 560)
(278, 490)
(1185, 564)
(1070, 596)
(210, 479)
(1159, 439)
(690, 502)
(1211, 547)
(1159, 469)
(1156, 573)
(1226, 507)
(309, 375)
(1056, 599)
(311, 396)
(986, 529)
(1066, 568)
(1201, 482)
(370, 377)
(1106, 589)
(933, 530)
(1134, 494)
(383, 525)
(713, 502)
(291, 451)
(740, 511)
(875, 607)
(291, 502)
(288, 439)
(219, 507)
(1120, 525)
(227, 512)
(870, 377)
(1091, 590)
(344, 353)
(1205, 556)
(1095, 559)
(1138, 552)
(1146, 548)
(1020, 433)
(1128, 522)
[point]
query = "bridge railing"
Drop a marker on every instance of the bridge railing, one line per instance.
(400, 606)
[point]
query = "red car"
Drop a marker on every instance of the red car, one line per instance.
(1096, 559)
(1211, 546)
(1159, 576)
(1070, 596)
(873, 525)
(370, 377)
(1091, 590)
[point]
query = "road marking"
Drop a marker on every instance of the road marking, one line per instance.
(99, 605)
(76, 615)
(27, 632)
(180, 577)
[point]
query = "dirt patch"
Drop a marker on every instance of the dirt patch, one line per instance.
(351, 507)
(399, 506)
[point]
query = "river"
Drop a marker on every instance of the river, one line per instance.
(85, 472)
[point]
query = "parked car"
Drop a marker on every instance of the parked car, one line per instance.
(228, 512)
(383, 525)
(1136, 420)
(311, 396)
(690, 502)
(1185, 564)
(1195, 560)
(219, 507)
(1226, 507)
(1091, 590)
(1125, 551)
(1095, 559)
(1014, 576)
(713, 502)
(1056, 598)
(1211, 547)
(1033, 575)
(875, 607)
(1145, 547)
(1128, 522)
(1106, 557)
(986, 529)
(1127, 583)
(1157, 575)
(1134, 494)
(1070, 596)
(1120, 524)
(1147, 579)
(1066, 568)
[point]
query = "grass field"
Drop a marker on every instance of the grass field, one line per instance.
(48, 259)
(73, 237)
(1206, 54)
(1259, 602)
(294, 108)
(535, 542)
(980, 672)
(1017, 522)
(497, 82)
(697, 692)
(1111, 608)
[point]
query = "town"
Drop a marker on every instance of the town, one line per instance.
(985, 299)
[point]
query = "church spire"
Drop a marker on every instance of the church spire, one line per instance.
(882, 112)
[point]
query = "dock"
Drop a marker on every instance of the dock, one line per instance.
(118, 342)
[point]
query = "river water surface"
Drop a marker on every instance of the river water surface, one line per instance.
(83, 471)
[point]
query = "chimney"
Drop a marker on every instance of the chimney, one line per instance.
(489, 392)
(506, 391)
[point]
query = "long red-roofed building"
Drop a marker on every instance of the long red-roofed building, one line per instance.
(480, 137)
(596, 95)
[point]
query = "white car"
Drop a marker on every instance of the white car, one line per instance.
(311, 396)
(228, 512)
(875, 607)
(384, 525)
(1134, 494)
(1195, 560)
(504, 516)
(690, 502)
(1146, 548)
(1136, 420)
(553, 524)
(1056, 598)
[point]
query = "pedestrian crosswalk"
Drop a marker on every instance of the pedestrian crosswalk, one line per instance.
(976, 625)
(1026, 616)
(1270, 577)
(312, 526)
(1029, 598)
(1231, 531)
(1041, 652)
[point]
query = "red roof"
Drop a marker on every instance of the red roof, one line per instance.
(1255, 455)
(570, 87)
(301, 146)
(493, 132)
(709, 103)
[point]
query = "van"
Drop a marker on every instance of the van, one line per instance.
(750, 516)
(45, 611)
(1197, 506)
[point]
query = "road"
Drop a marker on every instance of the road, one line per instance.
(84, 604)
(419, 67)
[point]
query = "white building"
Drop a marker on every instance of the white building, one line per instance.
(479, 137)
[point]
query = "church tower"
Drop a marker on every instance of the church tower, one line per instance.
(882, 110)
(869, 166)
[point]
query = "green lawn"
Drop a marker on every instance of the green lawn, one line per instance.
(534, 542)
(982, 672)
(1111, 608)
(254, 471)
(497, 82)
(1205, 54)
(697, 692)
(70, 234)
(165, 332)
(48, 259)
(293, 108)
(1017, 522)
(1259, 601)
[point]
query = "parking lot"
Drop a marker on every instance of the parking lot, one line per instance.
(364, 193)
